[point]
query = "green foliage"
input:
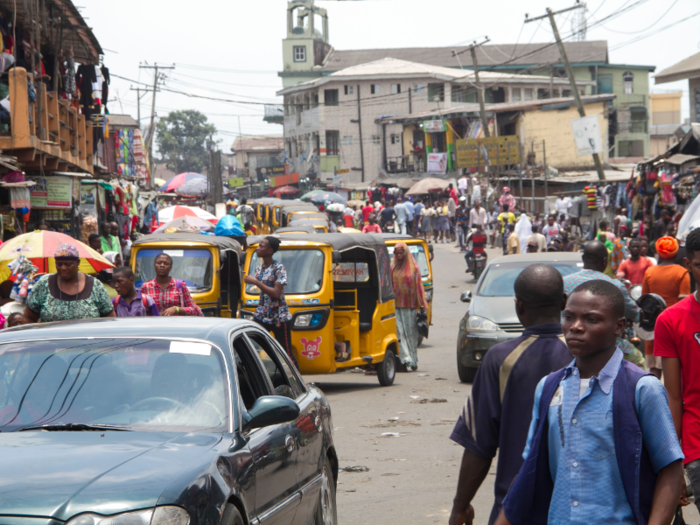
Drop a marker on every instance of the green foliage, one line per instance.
(182, 140)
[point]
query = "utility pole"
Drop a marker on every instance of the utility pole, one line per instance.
(358, 121)
(577, 96)
(479, 91)
(139, 96)
(156, 78)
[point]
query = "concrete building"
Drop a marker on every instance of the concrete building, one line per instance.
(254, 157)
(665, 129)
(686, 69)
(330, 123)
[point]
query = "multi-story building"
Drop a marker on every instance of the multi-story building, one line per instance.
(666, 129)
(256, 157)
(687, 69)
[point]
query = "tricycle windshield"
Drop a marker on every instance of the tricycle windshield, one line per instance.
(419, 255)
(194, 266)
(134, 383)
(304, 271)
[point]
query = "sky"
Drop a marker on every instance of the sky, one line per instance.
(233, 49)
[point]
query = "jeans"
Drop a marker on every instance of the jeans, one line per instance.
(462, 236)
(692, 469)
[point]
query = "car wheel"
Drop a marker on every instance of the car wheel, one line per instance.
(232, 516)
(466, 373)
(386, 371)
(327, 511)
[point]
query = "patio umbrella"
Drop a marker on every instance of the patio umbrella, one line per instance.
(175, 212)
(313, 193)
(160, 182)
(179, 180)
(186, 222)
(41, 245)
(326, 196)
(195, 187)
(285, 190)
(425, 186)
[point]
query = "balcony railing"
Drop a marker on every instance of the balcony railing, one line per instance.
(48, 125)
(405, 164)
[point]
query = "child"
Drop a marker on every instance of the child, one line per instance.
(601, 445)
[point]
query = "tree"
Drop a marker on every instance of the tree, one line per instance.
(182, 138)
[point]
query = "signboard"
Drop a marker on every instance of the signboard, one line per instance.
(437, 162)
(266, 173)
(492, 151)
(52, 193)
(88, 199)
(235, 183)
(283, 180)
(587, 135)
(433, 126)
(344, 170)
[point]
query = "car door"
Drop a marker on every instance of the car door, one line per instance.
(306, 430)
(272, 447)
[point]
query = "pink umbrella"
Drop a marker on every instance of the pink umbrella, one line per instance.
(175, 212)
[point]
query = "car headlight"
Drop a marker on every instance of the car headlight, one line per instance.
(429, 295)
(480, 324)
(159, 516)
(308, 320)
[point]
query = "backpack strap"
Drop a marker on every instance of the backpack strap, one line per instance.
(144, 299)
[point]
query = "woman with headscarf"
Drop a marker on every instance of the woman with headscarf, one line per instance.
(409, 297)
(67, 294)
(669, 280)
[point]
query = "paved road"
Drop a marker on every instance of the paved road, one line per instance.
(412, 477)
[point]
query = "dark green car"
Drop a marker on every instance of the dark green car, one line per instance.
(160, 421)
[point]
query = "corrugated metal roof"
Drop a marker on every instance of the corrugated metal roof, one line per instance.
(663, 130)
(686, 68)
(261, 143)
(679, 159)
(126, 121)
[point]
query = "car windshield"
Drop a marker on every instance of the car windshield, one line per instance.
(190, 265)
(139, 384)
(418, 253)
(304, 271)
(500, 277)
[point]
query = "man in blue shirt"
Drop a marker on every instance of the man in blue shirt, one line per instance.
(497, 414)
(602, 447)
(417, 208)
(410, 213)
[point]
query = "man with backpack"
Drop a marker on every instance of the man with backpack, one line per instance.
(171, 295)
(130, 302)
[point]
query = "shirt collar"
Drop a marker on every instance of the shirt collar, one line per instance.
(543, 329)
(137, 298)
(607, 375)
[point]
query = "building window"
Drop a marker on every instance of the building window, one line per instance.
(555, 93)
(566, 93)
(515, 95)
(628, 82)
(347, 140)
(527, 94)
(330, 97)
(395, 89)
(299, 53)
(542, 93)
(332, 142)
(459, 93)
(436, 92)
(349, 90)
(376, 140)
(395, 138)
(375, 89)
(418, 88)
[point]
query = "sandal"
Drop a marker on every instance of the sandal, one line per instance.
(343, 352)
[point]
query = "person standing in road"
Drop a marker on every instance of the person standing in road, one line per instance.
(451, 210)
(417, 209)
(371, 226)
(410, 215)
(504, 219)
(496, 415)
(551, 229)
(539, 239)
(513, 242)
(366, 211)
(477, 216)
(171, 295)
(130, 302)
(506, 200)
(562, 205)
(401, 216)
(386, 216)
(270, 278)
(246, 213)
(409, 298)
(634, 268)
(426, 222)
(462, 223)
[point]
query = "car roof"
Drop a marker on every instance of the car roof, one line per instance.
(539, 257)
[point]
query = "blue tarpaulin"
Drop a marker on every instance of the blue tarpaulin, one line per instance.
(229, 226)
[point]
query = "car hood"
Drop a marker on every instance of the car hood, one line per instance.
(500, 310)
(61, 474)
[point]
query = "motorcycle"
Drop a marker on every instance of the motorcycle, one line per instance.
(651, 306)
(388, 227)
(479, 265)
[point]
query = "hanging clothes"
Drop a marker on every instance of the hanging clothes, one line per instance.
(105, 86)
(667, 196)
(591, 193)
(85, 79)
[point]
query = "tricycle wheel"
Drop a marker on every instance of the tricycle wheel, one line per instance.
(386, 370)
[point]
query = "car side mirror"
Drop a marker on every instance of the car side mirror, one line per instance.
(466, 297)
(270, 410)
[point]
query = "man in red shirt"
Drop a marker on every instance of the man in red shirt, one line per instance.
(366, 211)
(677, 342)
(372, 226)
(634, 268)
(478, 239)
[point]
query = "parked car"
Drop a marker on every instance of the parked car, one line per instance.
(170, 421)
(491, 317)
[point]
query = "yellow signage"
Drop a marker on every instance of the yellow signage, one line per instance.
(344, 170)
(235, 183)
(493, 151)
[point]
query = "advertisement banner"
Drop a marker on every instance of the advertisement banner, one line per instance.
(437, 162)
(492, 151)
(235, 183)
(52, 193)
(283, 180)
(88, 199)
(433, 126)
(587, 135)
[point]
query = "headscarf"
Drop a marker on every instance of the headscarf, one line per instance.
(667, 247)
(603, 237)
(67, 252)
(407, 281)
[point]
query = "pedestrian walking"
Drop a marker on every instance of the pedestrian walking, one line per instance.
(539, 239)
(593, 457)
(130, 302)
(271, 278)
(478, 216)
(171, 295)
(513, 242)
(506, 199)
(67, 294)
(442, 229)
(504, 219)
(418, 207)
(634, 268)
(551, 229)
(410, 215)
(372, 226)
(368, 208)
(462, 223)
(426, 222)
(401, 216)
(409, 297)
(497, 413)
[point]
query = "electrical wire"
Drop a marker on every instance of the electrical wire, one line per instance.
(646, 28)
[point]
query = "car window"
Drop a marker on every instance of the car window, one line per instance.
(283, 379)
(250, 383)
(500, 277)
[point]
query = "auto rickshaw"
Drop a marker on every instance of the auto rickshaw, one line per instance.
(261, 208)
(291, 212)
(423, 253)
(338, 291)
(321, 225)
(209, 266)
(275, 215)
(302, 214)
(299, 228)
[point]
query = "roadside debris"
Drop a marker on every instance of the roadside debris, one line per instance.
(356, 468)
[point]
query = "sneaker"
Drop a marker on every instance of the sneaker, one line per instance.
(462, 249)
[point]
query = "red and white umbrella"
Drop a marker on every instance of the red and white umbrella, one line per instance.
(175, 212)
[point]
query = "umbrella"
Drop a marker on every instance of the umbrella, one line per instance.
(285, 190)
(326, 196)
(175, 212)
(179, 180)
(313, 193)
(195, 187)
(160, 182)
(425, 186)
(186, 222)
(336, 207)
(41, 245)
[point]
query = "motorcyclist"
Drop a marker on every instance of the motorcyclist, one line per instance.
(478, 240)
(386, 216)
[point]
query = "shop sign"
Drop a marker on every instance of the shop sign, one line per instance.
(433, 126)
(266, 173)
(88, 199)
(437, 162)
(587, 135)
(52, 193)
(492, 151)
(235, 183)
(344, 170)
(283, 180)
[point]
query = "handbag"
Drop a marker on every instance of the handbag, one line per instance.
(422, 322)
